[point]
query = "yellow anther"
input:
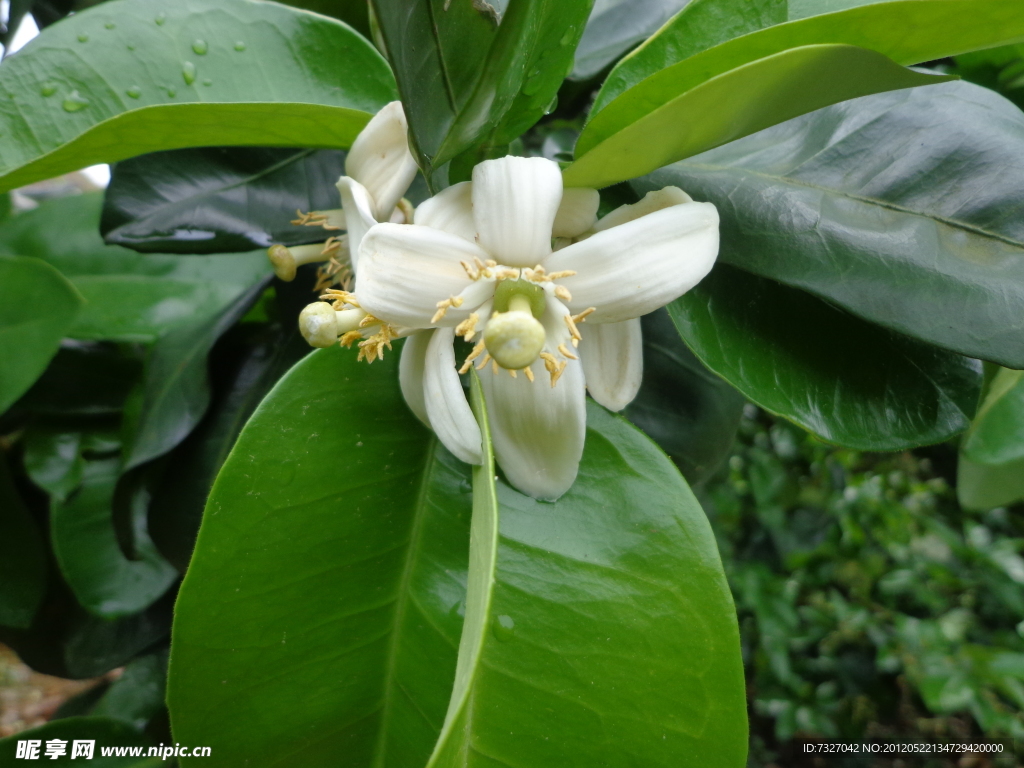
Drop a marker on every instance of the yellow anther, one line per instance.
(565, 351)
(583, 315)
(373, 347)
(573, 330)
(553, 365)
(560, 275)
(490, 263)
(368, 321)
(483, 362)
(467, 328)
(331, 245)
(472, 271)
(477, 351)
(340, 298)
(442, 307)
(512, 373)
(329, 220)
(529, 373)
(563, 293)
(348, 339)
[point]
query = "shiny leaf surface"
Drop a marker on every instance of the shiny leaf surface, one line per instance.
(906, 31)
(691, 413)
(126, 78)
(997, 435)
(846, 380)
(218, 200)
(358, 575)
(900, 207)
(37, 307)
(726, 107)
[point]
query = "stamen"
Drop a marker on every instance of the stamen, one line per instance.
(373, 347)
(563, 293)
(584, 314)
(329, 220)
(494, 367)
(565, 351)
(553, 365)
(348, 339)
(467, 328)
(511, 372)
(560, 275)
(573, 330)
(529, 373)
(486, 359)
(340, 298)
(471, 271)
(442, 307)
(480, 347)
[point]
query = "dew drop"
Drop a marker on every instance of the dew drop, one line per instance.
(48, 88)
(83, 38)
(172, 92)
(160, 19)
(188, 72)
(109, 25)
(567, 37)
(134, 91)
(131, 46)
(239, 46)
(75, 102)
(504, 628)
(200, 47)
(533, 85)
(207, 82)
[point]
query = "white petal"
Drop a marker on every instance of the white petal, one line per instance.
(410, 373)
(577, 212)
(537, 429)
(655, 200)
(514, 204)
(632, 269)
(405, 270)
(613, 362)
(450, 415)
(451, 211)
(358, 207)
(380, 159)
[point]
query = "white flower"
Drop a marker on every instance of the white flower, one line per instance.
(379, 169)
(478, 262)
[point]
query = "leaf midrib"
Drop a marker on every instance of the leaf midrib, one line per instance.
(866, 199)
(402, 603)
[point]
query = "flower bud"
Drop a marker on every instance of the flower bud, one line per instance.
(514, 339)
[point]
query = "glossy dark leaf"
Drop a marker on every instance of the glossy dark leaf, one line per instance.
(465, 79)
(106, 732)
(138, 694)
(37, 307)
(127, 78)
(846, 380)
(352, 12)
(218, 200)
(900, 207)
(306, 575)
(22, 557)
(685, 408)
(615, 27)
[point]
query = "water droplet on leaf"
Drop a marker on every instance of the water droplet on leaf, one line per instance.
(200, 47)
(48, 88)
(131, 46)
(207, 82)
(109, 25)
(188, 72)
(134, 91)
(171, 92)
(567, 37)
(75, 102)
(83, 38)
(160, 19)
(504, 628)
(239, 46)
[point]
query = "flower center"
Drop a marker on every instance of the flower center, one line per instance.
(515, 338)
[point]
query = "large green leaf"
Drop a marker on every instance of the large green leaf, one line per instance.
(37, 307)
(177, 305)
(614, 27)
(848, 381)
(984, 486)
(691, 413)
(667, 91)
(218, 200)
(899, 207)
(465, 79)
(22, 557)
(332, 562)
(128, 77)
(728, 106)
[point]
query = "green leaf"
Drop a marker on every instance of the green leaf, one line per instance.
(985, 486)
(178, 305)
(657, 77)
(218, 200)
(845, 380)
(138, 694)
(103, 730)
(352, 12)
(891, 206)
(691, 413)
(341, 573)
(22, 557)
(81, 473)
(997, 435)
(126, 78)
(467, 80)
(638, 133)
(37, 306)
(616, 26)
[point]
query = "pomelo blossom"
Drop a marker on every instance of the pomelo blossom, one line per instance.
(379, 169)
(550, 296)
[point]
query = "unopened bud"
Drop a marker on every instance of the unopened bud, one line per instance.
(514, 339)
(321, 325)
